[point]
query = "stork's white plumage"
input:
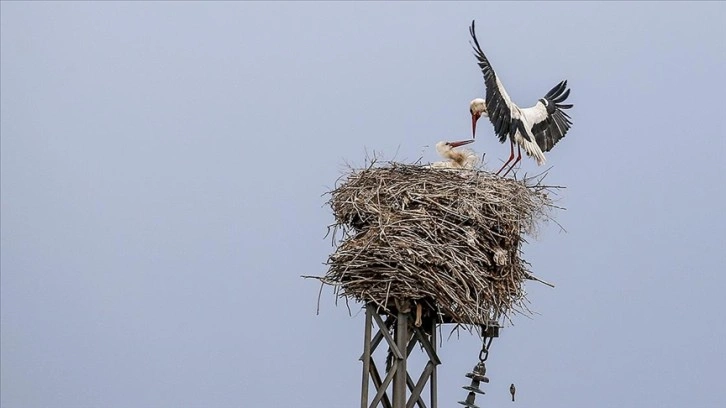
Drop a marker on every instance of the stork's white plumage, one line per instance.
(537, 129)
(456, 159)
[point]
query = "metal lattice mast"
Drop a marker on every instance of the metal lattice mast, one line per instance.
(404, 393)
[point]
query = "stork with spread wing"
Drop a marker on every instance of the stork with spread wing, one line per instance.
(537, 129)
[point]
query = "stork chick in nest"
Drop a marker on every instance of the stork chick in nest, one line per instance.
(457, 159)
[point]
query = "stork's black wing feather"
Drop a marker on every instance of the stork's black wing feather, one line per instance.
(557, 122)
(499, 111)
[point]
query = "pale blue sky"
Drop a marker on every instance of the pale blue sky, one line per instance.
(163, 165)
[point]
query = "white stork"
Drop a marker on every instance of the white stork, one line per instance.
(457, 159)
(537, 129)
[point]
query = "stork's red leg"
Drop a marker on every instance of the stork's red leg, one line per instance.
(511, 156)
(519, 158)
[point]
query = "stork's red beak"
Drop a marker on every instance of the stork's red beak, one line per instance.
(461, 143)
(474, 118)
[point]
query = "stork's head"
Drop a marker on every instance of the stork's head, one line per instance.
(443, 147)
(478, 108)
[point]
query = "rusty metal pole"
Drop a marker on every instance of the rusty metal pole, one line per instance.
(366, 357)
(433, 381)
(399, 379)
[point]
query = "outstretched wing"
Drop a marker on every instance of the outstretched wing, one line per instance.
(554, 125)
(500, 108)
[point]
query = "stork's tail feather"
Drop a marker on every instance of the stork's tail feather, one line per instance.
(538, 155)
(533, 150)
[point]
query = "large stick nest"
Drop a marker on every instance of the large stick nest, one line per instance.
(449, 239)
